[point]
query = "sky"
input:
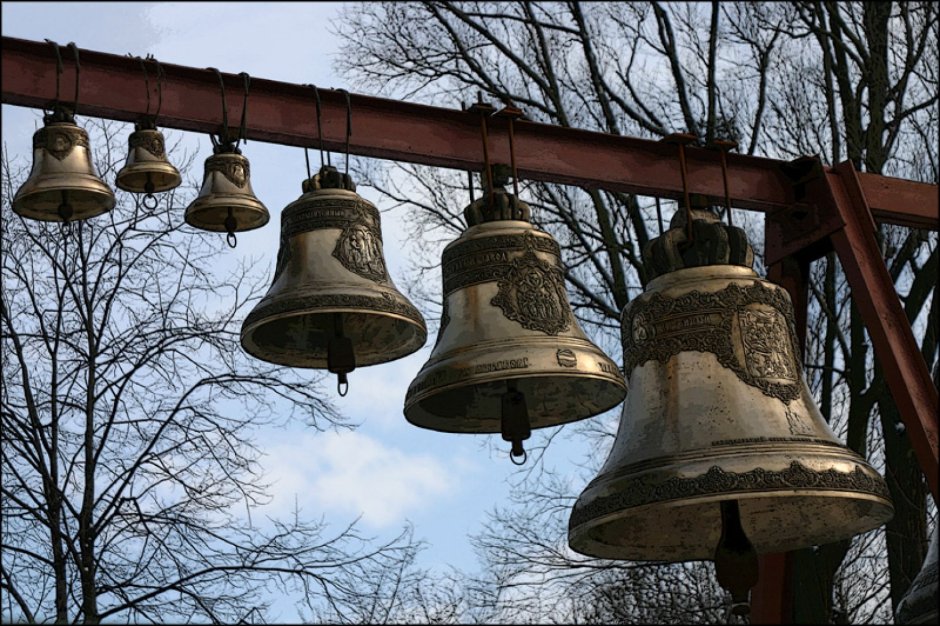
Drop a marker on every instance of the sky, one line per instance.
(387, 470)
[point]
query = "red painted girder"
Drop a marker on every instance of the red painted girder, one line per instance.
(874, 293)
(113, 87)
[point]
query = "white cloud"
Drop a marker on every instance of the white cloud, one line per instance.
(351, 473)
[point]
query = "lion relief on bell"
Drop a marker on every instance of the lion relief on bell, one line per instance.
(236, 171)
(359, 248)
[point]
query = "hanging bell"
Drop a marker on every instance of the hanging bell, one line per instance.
(226, 202)
(509, 355)
(332, 303)
(721, 450)
(147, 169)
(63, 185)
(919, 604)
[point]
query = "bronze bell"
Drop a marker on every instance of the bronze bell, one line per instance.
(919, 604)
(147, 169)
(226, 202)
(509, 355)
(332, 303)
(720, 441)
(62, 185)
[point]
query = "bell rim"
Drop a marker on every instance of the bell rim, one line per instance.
(162, 168)
(632, 494)
(197, 206)
(581, 541)
(401, 350)
(31, 212)
(439, 424)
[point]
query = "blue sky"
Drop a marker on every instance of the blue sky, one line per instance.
(387, 470)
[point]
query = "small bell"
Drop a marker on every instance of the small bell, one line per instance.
(332, 304)
(147, 169)
(62, 185)
(226, 202)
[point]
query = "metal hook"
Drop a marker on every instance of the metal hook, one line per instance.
(316, 95)
(484, 109)
(146, 83)
(348, 126)
(150, 202)
(224, 138)
(78, 72)
(524, 455)
(243, 130)
(342, 385)
(59, 68)
(681, 139)
(161, 78)
(659, 216)
(723, 146)
(319, 132)
(463, 107)
(512, 113)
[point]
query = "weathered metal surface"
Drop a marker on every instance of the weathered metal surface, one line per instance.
(508, 327)
(330, 264)
(226, 202)
(63, 184)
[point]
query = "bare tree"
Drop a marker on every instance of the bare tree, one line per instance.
(854, 81)
(129, 412)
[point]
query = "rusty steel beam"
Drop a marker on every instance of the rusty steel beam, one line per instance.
(113, 87)
(876, 297)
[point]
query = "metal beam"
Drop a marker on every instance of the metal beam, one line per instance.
(874, 293)
(113, 87)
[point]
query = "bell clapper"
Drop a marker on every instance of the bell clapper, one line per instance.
(735, 559)
(340, 358)
(230, 225)
(150, 200)
(65, 209)
(514, 422)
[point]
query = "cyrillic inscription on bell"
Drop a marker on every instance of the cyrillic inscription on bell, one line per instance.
(63, 184)
(332, 303)
(718, 413)
(510, 355)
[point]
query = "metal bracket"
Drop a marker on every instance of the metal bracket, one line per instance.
(803, 228)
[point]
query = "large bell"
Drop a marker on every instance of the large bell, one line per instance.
(919, 604)
(226, 201)
(63, 184)
(509, 355)
(147, 169)
(332, 303)
(719, 430)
